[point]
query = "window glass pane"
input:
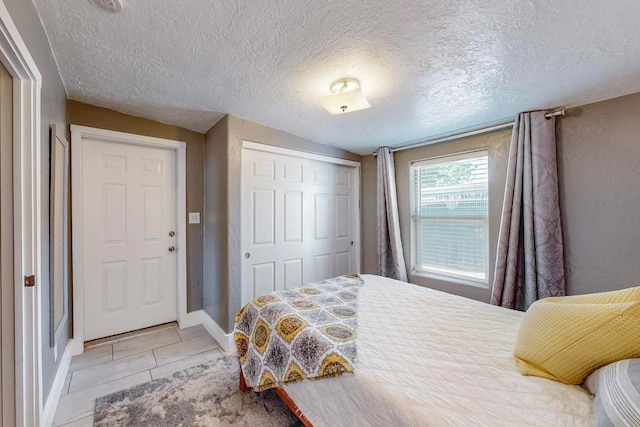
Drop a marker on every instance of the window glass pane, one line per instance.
(454, 247)
(451, 205)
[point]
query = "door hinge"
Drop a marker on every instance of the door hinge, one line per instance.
(29, 281)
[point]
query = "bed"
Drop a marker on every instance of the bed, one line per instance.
(430, 358)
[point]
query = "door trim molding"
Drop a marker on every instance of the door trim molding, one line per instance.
(51, 405)
(296, 153)
(27, 182)
(78, 135)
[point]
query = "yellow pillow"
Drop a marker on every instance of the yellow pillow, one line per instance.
(567, 338)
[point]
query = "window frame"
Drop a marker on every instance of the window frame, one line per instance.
(415, 218)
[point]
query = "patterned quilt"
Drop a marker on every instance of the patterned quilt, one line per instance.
(302, 333)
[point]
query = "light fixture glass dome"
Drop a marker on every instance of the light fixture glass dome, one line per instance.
(344, 85)
(347, 97)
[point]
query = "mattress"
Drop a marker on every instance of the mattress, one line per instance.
(427, 358)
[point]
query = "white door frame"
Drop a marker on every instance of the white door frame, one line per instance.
(78, 135)
(27, 84)
(319, 157)
(256, 146)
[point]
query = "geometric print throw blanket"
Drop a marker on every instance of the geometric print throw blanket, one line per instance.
(301, 333)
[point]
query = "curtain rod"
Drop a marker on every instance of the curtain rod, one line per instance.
(506, 125)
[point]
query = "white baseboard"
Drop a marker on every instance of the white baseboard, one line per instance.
(76, 347)
(188, 320)
(58, 384)
(200, 317)
(225, 340)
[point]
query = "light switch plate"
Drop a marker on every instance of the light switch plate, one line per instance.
(194, 217)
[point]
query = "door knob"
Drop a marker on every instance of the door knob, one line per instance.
(172, 233)
(352, 243)
(172, 248)
(247, 255)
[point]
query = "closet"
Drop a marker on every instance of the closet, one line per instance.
(300, 218)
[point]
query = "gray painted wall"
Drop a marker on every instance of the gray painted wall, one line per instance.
(599, 158)
(216, 291)
(239, 129)
(368, 197)
(54, 100)
(599, 175)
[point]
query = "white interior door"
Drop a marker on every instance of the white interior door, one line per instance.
(299, 221)
(129, 223)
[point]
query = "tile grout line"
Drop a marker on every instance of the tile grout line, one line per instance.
(140, 352)
(216, 347)
(69, 385)
(77, 419)
(125, 336)
(116, 379)
(109, 382)
(155, 360)
(165, 345)
(150, 375)
(107, 361)
(154, 348)
(193, 355)
(93, 413)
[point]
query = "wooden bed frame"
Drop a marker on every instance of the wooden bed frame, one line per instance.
(285, 398)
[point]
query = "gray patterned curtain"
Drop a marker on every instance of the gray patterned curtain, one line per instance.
(390, 256)
(530, 261)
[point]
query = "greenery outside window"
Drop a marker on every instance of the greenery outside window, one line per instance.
(450, 217)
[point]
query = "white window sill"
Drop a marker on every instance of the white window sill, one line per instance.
(451, 279)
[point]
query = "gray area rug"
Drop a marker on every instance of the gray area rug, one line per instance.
(205, 395)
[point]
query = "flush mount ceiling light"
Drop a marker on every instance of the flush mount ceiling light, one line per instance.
(347, 97)
(110, 5)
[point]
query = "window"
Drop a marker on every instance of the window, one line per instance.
(450, 217)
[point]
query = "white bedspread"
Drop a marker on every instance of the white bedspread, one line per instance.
(427, 358)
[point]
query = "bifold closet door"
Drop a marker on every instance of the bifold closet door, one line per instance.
(298, 221)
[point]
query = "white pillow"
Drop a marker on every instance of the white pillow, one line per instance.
(617, 390)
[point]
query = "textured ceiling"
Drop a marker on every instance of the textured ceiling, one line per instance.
(427, 67)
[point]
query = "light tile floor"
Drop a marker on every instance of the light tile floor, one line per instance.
(118, 364)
